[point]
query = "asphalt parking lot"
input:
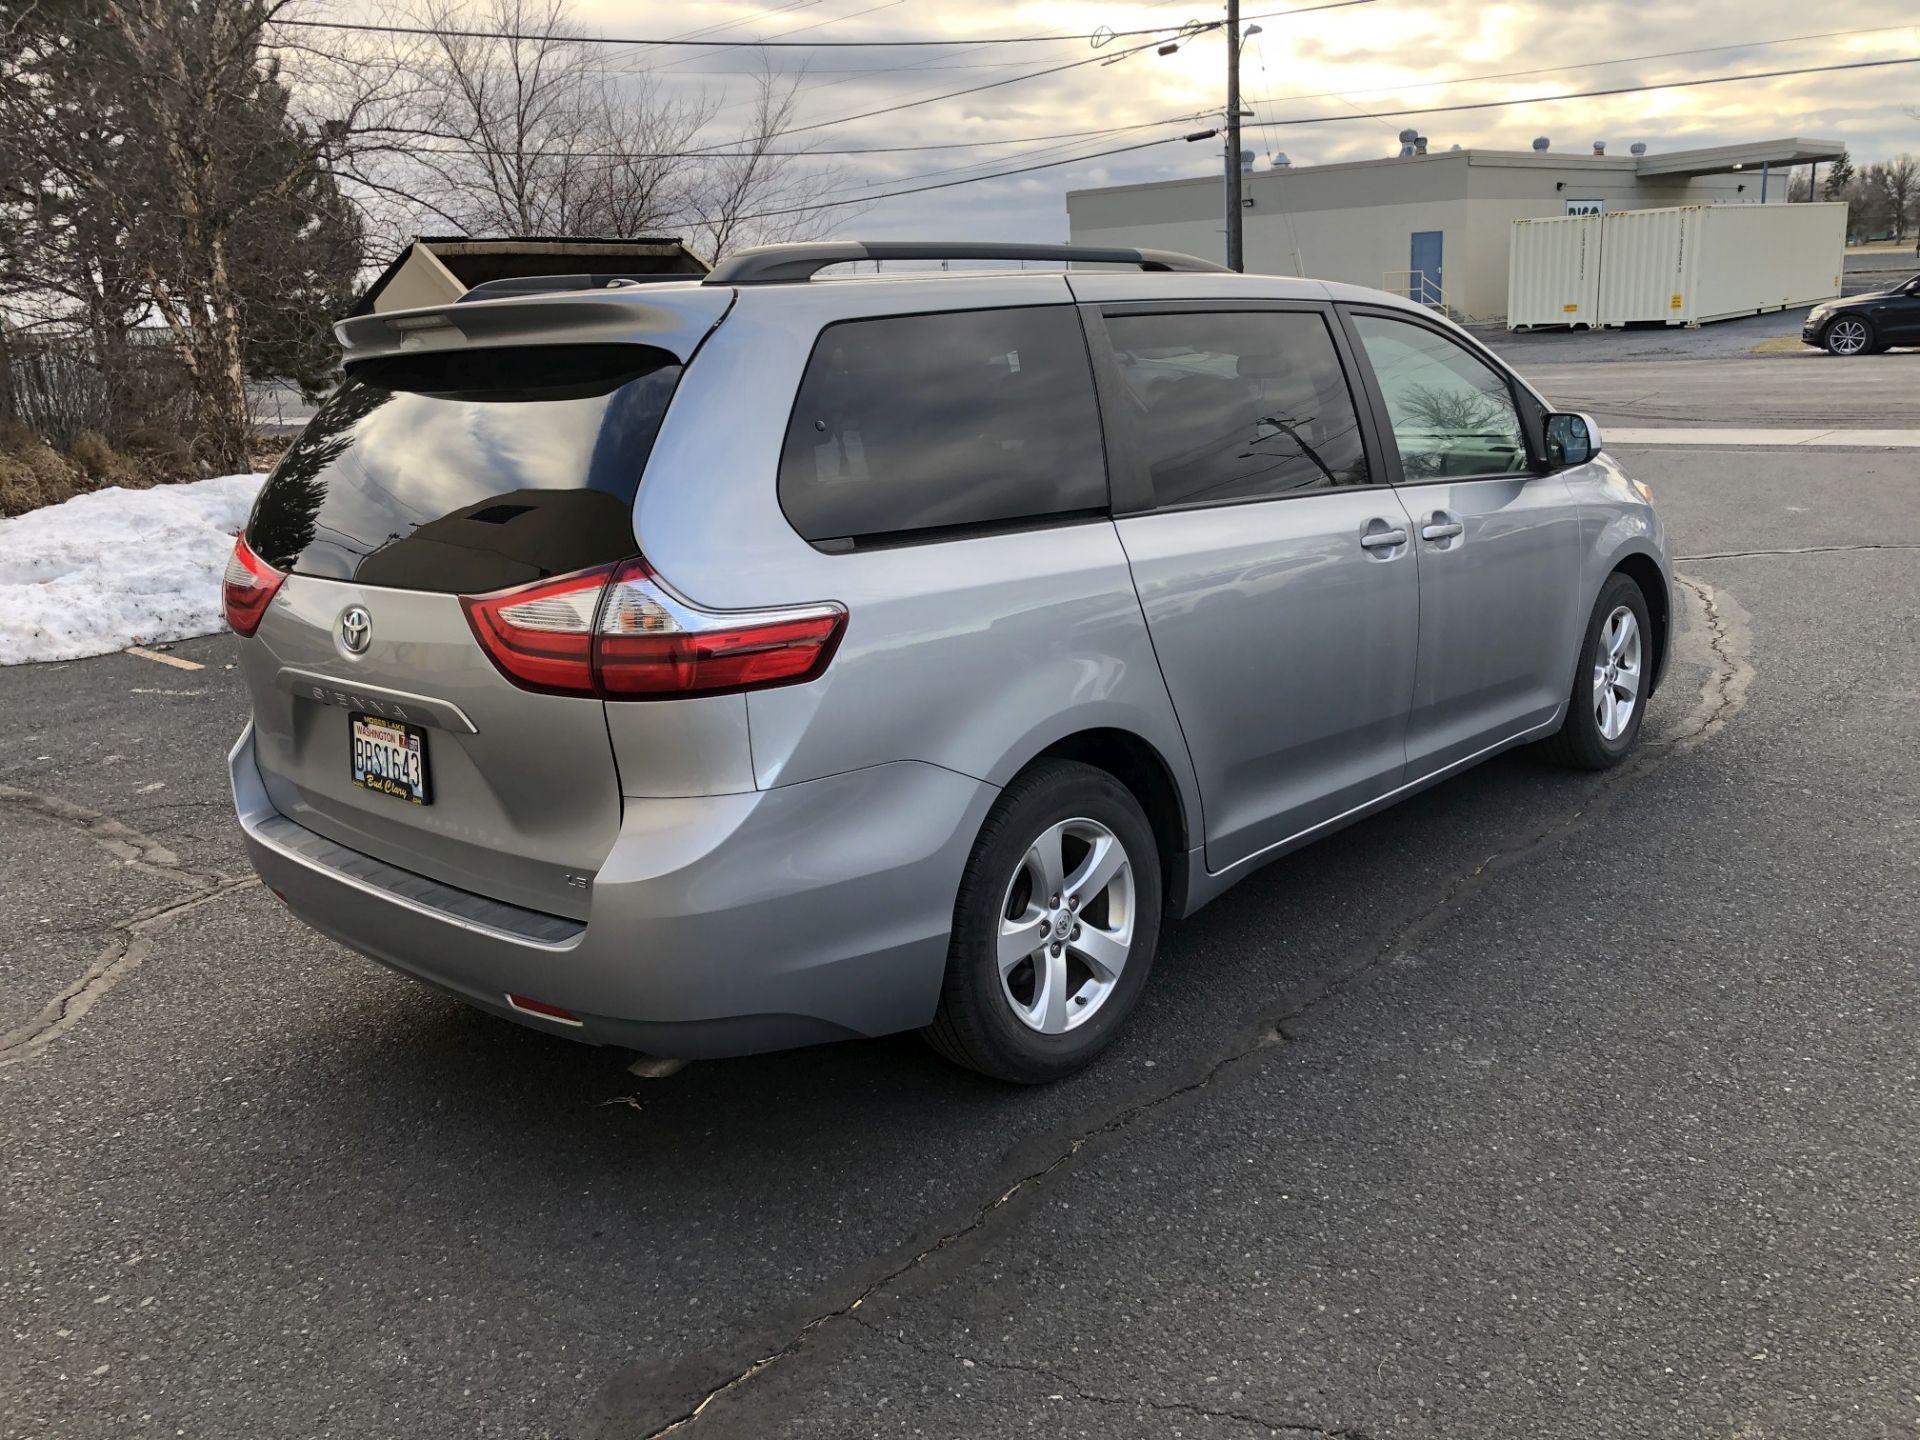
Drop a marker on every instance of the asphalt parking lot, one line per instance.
(1545, 1104)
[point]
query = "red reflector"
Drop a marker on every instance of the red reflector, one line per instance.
(248, 587)
(543, 1010)
(621, 634)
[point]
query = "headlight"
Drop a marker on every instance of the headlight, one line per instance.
(1819, 312)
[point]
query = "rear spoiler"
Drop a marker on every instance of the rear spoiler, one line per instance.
(638, 316)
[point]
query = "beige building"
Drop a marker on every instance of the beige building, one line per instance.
(1434, 226)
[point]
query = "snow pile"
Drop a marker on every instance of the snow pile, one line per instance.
(100, 572)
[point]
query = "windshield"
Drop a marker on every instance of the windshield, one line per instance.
(468, 471)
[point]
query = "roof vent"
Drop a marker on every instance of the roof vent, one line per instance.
(1599, 147)
(1246, 160)
(1639, 147)
(1280, 160)
(1419, 144)
(1541, 143)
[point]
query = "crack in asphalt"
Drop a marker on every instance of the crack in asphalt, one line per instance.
(1721, 694)
(981, 1215)
(121, 841)
(128, 946)
(1070, 1388)
(1796, 550)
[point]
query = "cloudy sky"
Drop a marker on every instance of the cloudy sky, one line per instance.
(1325, 67)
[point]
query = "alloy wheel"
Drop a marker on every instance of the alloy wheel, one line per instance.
(1616, 673)
(1066, 926)
(1847, 337)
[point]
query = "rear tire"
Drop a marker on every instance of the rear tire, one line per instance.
(1055, 927)
(1849, 335)
(1609, 697)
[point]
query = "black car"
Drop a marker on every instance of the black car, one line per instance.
(1866, 324)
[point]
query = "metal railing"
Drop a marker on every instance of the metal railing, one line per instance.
(1418, 286)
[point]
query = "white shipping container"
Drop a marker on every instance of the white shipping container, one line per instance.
(1683, 265)
(1646, 264)
(1553, 271)
(1766, 257)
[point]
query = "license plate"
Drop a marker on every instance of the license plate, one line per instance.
(390, 757)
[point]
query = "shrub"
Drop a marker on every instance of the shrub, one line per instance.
(33, 474)
(163, 453)
(101, 465)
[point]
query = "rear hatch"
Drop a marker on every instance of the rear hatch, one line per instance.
(380, 721)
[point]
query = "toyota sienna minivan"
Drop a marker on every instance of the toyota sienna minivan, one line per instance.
(709, 666)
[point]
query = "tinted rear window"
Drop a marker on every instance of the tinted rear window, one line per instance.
(1239, 404)
(917, 423)
(468, 471)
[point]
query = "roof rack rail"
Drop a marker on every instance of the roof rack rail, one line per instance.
(779, 264)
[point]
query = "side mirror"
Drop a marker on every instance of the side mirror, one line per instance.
(1571, 440)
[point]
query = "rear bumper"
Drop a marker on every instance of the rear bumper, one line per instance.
(719, 925)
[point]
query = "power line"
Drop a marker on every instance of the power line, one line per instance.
(367, 27)
(1394, 89)
(1329, 119)
(1268, 123)
(816, 25)
(956, 94)
(456, 148)
(1592, 94)
(998, 174)
(1585, 64)
(1037, 74)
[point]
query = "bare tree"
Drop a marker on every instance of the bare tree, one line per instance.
(752, 191)
(529, 130)
(1898, 181)
(535, 134)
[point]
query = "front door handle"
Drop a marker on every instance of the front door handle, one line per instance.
(1383, 539)
(1444, 531)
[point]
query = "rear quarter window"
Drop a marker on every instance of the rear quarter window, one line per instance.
(470, 470)
(913, 426)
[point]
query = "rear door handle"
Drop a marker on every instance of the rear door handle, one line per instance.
(1442, 532)
(1380, 539)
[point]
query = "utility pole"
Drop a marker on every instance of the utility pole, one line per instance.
(1235, 260)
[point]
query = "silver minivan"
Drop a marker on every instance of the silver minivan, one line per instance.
(710, 666)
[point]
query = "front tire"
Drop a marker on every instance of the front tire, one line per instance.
(1610, 685)
(1849, 335)
(1055, 927)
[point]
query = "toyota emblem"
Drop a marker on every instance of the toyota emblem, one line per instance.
(356, 629)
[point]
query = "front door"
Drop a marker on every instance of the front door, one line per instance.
(1497, 545)
(1423, 284)
(1896, 321)
(1274, 568)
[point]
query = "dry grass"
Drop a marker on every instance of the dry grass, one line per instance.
(33, 473)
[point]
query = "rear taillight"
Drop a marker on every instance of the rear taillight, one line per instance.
(541, 635)
(248, 587)
(617, 632)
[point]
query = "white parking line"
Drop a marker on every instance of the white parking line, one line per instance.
(173, 660)
(1763, 436)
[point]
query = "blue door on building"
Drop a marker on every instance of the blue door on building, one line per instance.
(1423, 284)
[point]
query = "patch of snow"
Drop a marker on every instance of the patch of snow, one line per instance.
(100, 572)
